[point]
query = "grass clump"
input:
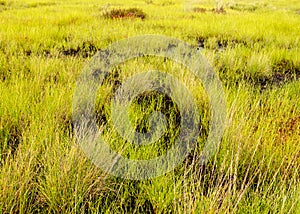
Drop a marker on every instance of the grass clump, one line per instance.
(125, 13)
(199, 10)
(244, 7)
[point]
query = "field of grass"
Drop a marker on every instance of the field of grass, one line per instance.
(254, 47)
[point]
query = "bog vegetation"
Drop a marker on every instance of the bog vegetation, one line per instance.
(254, 46)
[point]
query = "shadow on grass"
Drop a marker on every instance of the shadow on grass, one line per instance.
(10, 138)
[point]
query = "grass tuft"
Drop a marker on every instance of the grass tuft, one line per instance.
(125, 13)
(45, 44)
(199, 10)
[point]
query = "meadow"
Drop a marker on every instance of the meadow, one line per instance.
(254, 47)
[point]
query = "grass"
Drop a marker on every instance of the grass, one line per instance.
(254, 47)
(125, 13)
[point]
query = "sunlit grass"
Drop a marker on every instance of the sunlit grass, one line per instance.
(254, 47)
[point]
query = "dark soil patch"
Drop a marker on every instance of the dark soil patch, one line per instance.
(4, 5)
(27, 52)
(132, 205)
(298, 12)
(153, 99)
(220, 10)
(160, 102)
(284, 71)
(201, 42)
(285, 66)
(147, 103)
(86, 49)
(125, 13)
(131, 194)
(149, 2)
(224, 43)
(101, 115)
(10, 137)
(111, 79)
(41, 52)
(5, 74)
(65, 123)
(207, 174)
(199, 10)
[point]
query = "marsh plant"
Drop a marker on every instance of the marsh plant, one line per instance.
(44, 46)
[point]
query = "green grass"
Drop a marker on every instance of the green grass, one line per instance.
(254, 47)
